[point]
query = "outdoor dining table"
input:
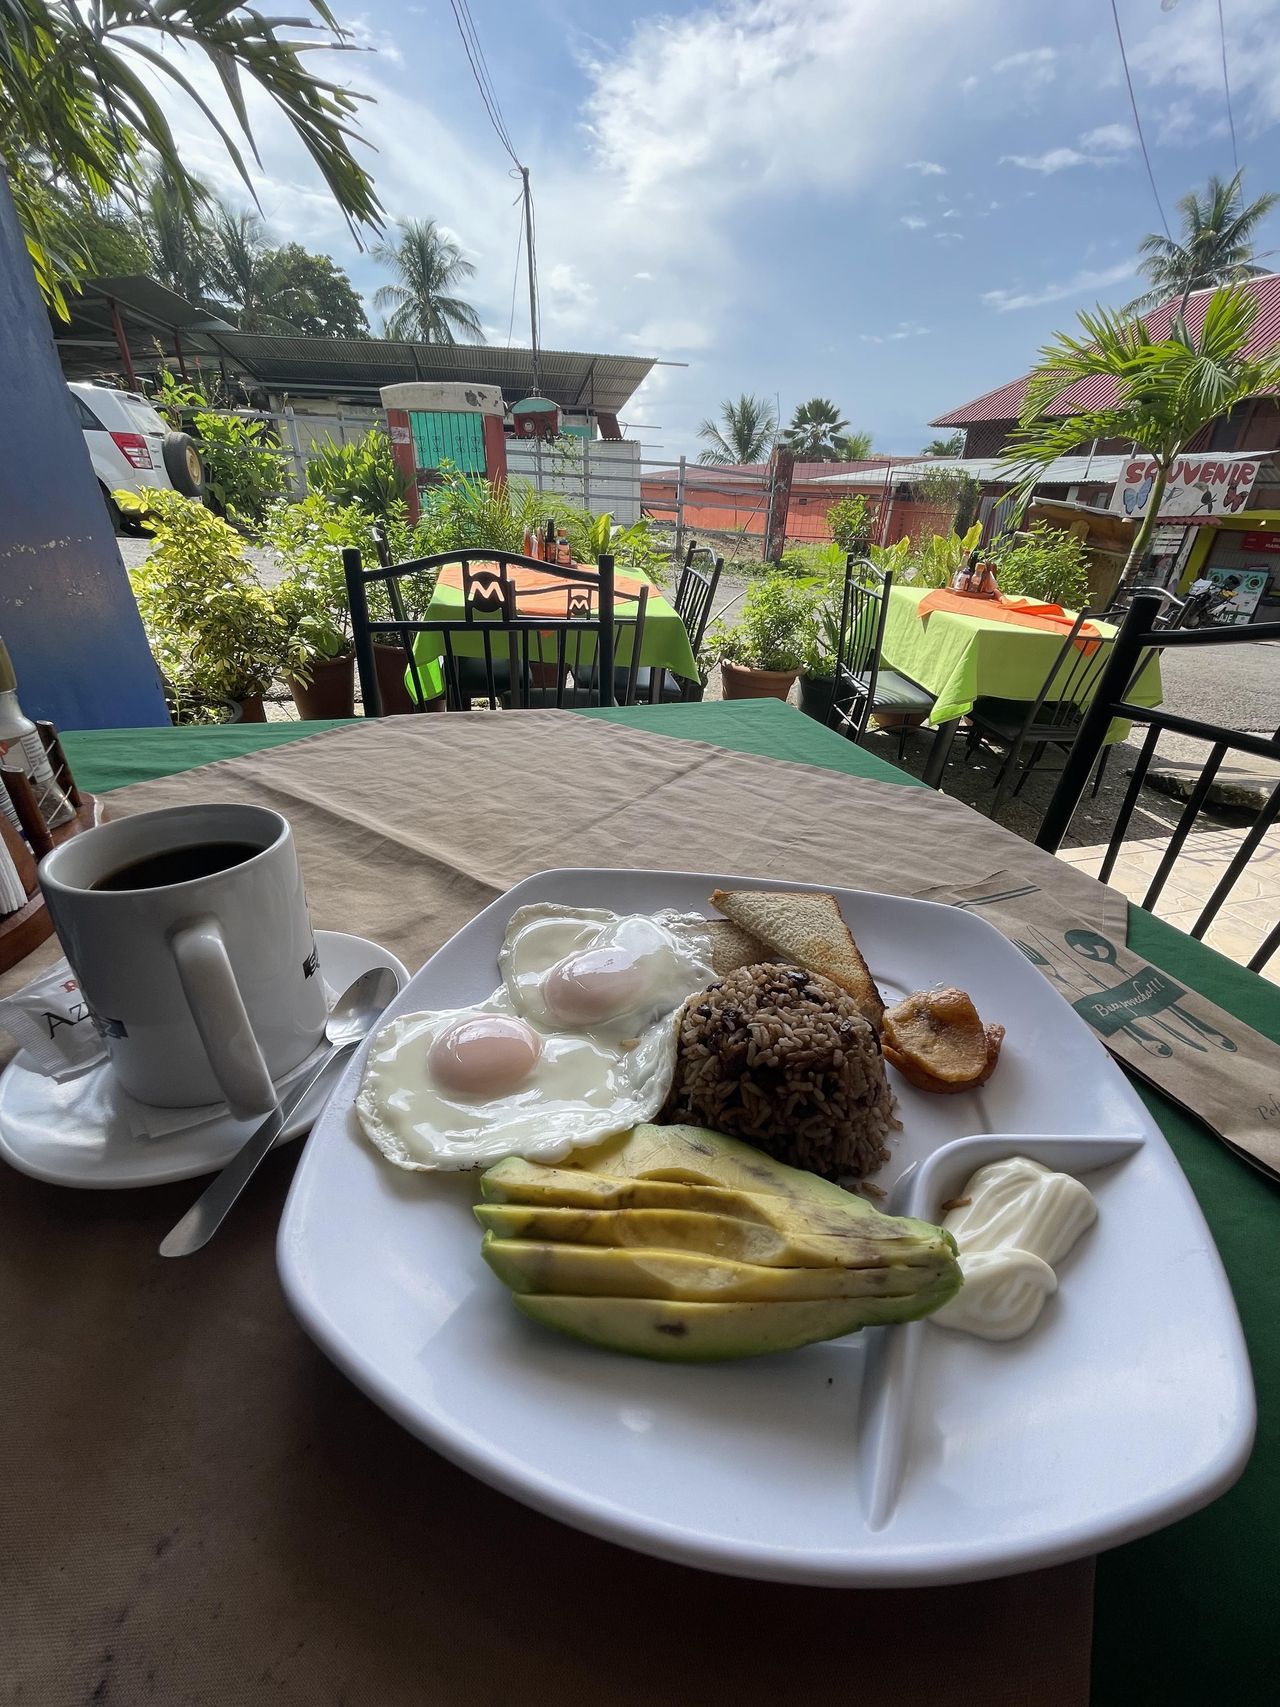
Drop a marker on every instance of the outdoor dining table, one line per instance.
(199, 1508)
(961, 655)
(664, 644)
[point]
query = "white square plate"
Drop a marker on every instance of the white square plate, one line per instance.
(898, 1455)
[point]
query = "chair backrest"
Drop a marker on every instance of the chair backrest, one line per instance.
(864, 608)
(522, 651)
(1140, 635)
(696, 591)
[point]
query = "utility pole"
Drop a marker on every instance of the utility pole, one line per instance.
(533, 293)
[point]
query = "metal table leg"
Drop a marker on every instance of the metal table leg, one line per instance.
(940, 752)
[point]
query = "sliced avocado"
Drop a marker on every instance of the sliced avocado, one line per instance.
(897, 1294)
(697, 1156)
(685, 1332)
(535, 1184)
(715, 1235)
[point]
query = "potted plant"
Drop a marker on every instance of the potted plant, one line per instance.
(214, 630)
(817, 672)
(319, 662)
(760, 655)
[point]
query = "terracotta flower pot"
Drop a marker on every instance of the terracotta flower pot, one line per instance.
(331, 692)
(739, 681)
(389, 667)
(252, 709)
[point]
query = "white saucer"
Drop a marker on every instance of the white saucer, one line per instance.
(80, 1132)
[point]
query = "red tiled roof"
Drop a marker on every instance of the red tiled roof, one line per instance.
(1098, 392)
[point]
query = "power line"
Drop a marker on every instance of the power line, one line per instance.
(1124, 60)
(515, 276)
(480, 71)
(1226, 87)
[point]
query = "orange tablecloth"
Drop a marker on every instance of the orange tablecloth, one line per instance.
(535, 596)
(1023, 613)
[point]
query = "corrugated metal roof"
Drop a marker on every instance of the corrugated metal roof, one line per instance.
(574, 379)
(1098, 392)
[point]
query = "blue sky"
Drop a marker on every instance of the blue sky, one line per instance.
(888, 202)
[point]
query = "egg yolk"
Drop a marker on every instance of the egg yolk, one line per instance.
(484, 1054)
(593, 984)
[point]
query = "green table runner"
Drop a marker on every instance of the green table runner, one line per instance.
(1185, 1616)
(958, 657)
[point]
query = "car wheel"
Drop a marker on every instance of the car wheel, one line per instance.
(114, 515)
(183, 465)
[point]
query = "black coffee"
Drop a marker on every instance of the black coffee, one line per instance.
(179, 865)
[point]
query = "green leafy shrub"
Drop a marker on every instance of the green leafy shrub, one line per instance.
(809, 562)
(214, 631)
(1043, 563)
(773, 630)
(936, 560)
(364, 473)
(244, 468)
(850, 521)
(308, 539)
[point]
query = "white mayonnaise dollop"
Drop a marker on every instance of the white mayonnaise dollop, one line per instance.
(1020, 1219)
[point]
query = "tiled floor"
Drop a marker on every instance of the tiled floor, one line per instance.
(1239, 929)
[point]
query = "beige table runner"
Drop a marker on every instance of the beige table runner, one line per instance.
(200, 1509)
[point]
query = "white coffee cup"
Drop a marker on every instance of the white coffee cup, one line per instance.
(204, 989)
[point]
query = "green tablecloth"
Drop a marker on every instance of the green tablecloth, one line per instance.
(664, 645)
(958, 657)
(1186, 1616)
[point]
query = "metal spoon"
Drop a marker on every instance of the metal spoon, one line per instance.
(353, 1014)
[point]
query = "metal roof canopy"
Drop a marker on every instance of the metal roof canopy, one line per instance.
(147, 313)
(307, 366)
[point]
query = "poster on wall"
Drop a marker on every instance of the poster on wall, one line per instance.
(1241, 591)
(1198, 489)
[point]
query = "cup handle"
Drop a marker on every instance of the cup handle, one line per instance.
(218, 1009)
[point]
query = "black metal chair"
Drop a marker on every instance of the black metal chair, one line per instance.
(523, 660)
(1139, 634)
(695, 591)
(862, 683)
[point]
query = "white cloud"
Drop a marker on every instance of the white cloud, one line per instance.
(1052, 160)
(673, 334)
(953, 213)
(913, 222)
(642, 275)
(927, 168)
(970, 84)
(1183, 51)
(904, 329)
(1109, 139)
(1035, 65)
(948, 236)
(1101, 146)
(1083, 282)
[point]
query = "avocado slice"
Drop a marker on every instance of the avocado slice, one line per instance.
(687, 1332)
(895, 1294)
(897, 1241)
(543, 1187)
(694, 1155)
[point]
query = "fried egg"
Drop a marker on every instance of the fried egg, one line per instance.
(587, 969)
(577, 1045)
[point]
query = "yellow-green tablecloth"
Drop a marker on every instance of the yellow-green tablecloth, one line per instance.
(960, 657)
(665, 644)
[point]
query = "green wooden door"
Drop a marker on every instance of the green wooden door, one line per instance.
(453, 437)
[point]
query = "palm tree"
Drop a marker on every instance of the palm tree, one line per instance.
(246, 272)
(179, 254)
(427, 264)
(746, 431)
(1216, 246)
(852, 447)
(1166, 390)
(70, 87)
(953, 445)
(815, 426)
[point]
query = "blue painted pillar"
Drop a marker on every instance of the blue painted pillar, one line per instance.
(67, 613)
